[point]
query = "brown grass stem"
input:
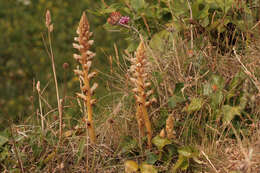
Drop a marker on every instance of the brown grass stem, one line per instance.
(50, 29)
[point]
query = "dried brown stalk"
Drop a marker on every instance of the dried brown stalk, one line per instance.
(49, 25)
(85, 59)
(139, 78)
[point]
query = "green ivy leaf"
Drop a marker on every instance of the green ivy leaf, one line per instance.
(128, 144)
(188, 152)
(145, 168)
(151, 158)
(229, 113)
(217, 98)
(197, 11)
(160, 142)
(168, 152)
(180, 7)
(131, 166)
(159, 39)
(138, 4)
(182, 163)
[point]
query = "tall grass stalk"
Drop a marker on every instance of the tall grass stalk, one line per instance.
(50, 29)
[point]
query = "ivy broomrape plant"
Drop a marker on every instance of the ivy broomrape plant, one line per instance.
(85, 59)
(139, 79)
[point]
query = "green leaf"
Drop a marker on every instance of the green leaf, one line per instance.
(128, 144)
(188, 152)
(199, 9)
(195, 105)
(145, 168)
(168, 152)
(229, 113)
(182, 163)
(131, 166)
(3, 140)
(132, 46)
(160, 142)
(174, 100)
(159, 40)
(217, 98)
(138, 4)
(151, 158)
(205, 22)
(180, 7)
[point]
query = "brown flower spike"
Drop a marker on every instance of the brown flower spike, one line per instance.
(139, 78)
(85, 59)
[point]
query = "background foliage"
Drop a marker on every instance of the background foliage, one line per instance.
(23, 58)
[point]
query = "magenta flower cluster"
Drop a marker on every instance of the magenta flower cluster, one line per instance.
(124, 20)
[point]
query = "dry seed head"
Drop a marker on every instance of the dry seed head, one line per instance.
(38, 88)
(48, 18)
(65, 65)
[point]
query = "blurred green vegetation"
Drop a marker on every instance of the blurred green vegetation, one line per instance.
(23, 57)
